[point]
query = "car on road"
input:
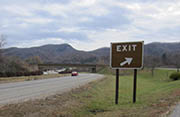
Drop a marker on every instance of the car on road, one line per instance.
(74, 73)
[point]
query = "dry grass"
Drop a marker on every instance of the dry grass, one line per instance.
(29, 78)
(70, 104)
(156, 97)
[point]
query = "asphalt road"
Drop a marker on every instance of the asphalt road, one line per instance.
(22, 91)
(176, 112)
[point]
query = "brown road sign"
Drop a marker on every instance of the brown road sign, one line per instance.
(127, 55)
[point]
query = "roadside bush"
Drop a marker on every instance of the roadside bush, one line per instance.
(18, 74)
(40, 73)
(10, 74)
(2, 74)
(175, 76)
(27, 73)
(34, 73)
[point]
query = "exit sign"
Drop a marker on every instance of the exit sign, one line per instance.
(127, 55)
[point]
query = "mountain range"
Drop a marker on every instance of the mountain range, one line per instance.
(65, 53)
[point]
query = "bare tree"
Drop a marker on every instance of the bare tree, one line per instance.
(34, 60)
(2, 43)
(165, 59)
(175, 60)
(152, 62)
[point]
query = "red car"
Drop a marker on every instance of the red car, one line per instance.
(74, 73)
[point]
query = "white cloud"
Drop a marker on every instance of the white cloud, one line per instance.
(78, 7)
(39, 42)
(68, 29)
(84, 3)
(84, 19)
(55, 9)
(102, 21)
(17, 10)
(37, 20)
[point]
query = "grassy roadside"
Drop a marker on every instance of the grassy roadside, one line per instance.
(29, 78)
(155, 96)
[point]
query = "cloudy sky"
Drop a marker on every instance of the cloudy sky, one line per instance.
(88, 24)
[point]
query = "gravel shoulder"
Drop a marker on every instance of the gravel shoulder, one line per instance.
(176, 112)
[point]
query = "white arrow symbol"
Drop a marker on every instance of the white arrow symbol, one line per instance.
(127, 61)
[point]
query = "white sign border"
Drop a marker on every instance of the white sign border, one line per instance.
(126, 67)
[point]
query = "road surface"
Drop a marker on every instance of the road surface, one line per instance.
(22, 91)
(176, 112)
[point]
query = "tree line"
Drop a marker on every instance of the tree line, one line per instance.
(14, 66)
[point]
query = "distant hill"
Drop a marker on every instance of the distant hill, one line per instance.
(65, 53)
(62, 53)
(157, 49)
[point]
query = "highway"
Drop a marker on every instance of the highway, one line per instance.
(176, 112)
(22, 91)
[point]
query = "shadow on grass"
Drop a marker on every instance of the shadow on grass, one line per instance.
(97, 110)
